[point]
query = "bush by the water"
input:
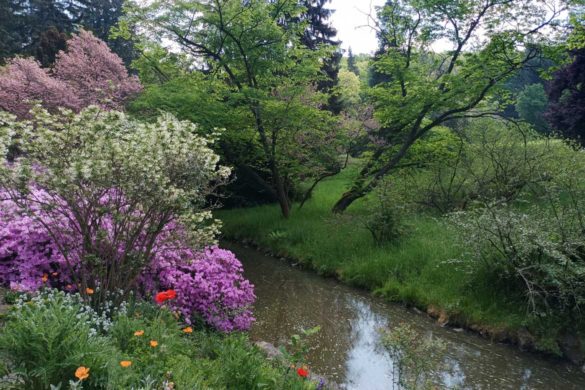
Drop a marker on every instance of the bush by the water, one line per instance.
(122, 210)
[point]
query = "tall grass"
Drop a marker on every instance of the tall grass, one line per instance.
(415, 271)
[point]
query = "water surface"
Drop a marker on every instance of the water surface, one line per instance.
(347, 349)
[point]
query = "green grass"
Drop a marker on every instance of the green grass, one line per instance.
(416, 271)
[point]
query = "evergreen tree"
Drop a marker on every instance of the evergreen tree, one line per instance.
(23, 22)
(39, 27)
(320, 32)
(351, 63)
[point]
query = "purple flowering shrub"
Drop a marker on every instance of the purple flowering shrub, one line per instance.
(28, 255)
(208, 283)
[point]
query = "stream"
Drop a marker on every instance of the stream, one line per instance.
(347, 350)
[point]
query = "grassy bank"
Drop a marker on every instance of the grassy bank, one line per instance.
(416, 271)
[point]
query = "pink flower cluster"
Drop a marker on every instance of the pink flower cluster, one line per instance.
(29, 258)
(87, 73)
(208, 283)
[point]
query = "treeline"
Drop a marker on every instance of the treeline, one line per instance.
(271, 74)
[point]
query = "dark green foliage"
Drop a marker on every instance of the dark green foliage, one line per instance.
(351, 63)
(23, 22)
(531, 106)
(38, 27)
(52, 41)
(320, 32)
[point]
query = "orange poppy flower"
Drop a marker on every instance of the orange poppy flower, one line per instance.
(153, 343)
(82, 373)
(45, 278)
(89, 291)
(125, 363)
(188, 330)
(138, 333)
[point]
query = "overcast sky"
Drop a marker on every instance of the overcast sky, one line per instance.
(348, 17)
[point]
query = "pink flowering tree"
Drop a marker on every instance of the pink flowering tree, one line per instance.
(95, 74)
(122, 209)
(87, 73)
(23, 81)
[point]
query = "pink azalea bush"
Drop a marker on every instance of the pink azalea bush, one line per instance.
(27, 253)
(209, 283)
(87, 73)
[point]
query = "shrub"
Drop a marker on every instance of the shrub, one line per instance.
(211, 285)
(385, 223)
(536, 246)
(124, 209)
(121, 186)
(542, 257)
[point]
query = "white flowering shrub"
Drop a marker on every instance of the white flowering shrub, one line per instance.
(537, 245)
(108, 191)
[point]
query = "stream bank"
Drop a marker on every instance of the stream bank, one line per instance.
(348, 350)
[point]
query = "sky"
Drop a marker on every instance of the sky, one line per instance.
(349, 19)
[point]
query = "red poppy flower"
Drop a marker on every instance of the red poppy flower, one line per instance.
(303, 373)
(164, 296)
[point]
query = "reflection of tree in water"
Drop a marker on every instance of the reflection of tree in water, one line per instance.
(346, 346)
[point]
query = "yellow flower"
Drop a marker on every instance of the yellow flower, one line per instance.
(89, 291)
(188, 330)
(153, 343)
(138, 333)
(125, 363)
(45, 278)
(82, 373)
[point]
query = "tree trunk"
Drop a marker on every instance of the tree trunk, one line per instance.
(360, 189)
(346, 200)
(277, 180)
(281, 193)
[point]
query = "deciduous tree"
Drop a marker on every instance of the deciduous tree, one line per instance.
(490, 40)
(262, 62)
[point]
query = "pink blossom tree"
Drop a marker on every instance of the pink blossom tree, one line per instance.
(23, 81)
(95, 73)
(87, 73)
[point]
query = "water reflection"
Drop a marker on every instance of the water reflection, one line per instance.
(348, 350)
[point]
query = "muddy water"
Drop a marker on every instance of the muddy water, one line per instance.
(347, 349)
